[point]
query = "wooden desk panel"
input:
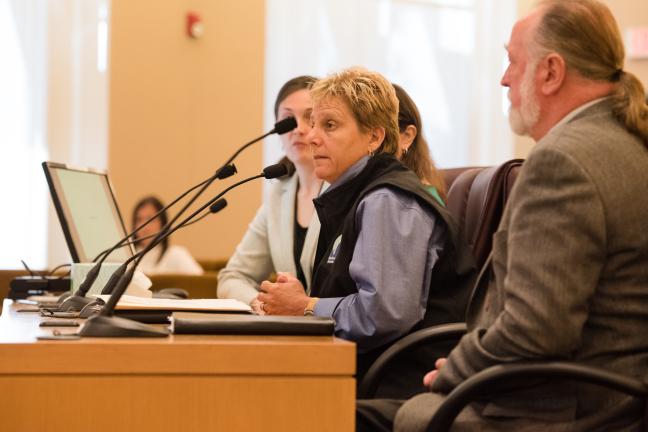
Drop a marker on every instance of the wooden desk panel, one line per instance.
(184, 383)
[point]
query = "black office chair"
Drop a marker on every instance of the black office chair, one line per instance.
(441, 335)
(476, 199)
(479, 222)
(483, 383)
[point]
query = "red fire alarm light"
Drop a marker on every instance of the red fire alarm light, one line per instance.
(195, 26)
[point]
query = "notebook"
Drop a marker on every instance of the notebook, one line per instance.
(236, 324)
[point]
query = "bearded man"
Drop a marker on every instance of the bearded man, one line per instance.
(569, 277)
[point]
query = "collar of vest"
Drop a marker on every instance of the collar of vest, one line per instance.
(334, 204)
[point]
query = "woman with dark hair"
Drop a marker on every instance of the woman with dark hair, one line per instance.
(162, 258)
(414, 149)
(283, 235)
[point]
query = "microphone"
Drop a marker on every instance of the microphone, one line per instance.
(78, 300)
(221, 174)
(281, 127)
(224, 172)
(214, 208)
(217, 206)
(285, 125)
(270, 172)
(275, 171)
(105, 324)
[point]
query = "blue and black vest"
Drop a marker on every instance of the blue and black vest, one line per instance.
(452, 276)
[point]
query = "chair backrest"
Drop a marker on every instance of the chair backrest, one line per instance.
(197, 286)
(214, 265)
(476, 198)
(451, 174)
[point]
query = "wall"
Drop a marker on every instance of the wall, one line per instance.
(179, 107)
(628, 13)
(76, 96)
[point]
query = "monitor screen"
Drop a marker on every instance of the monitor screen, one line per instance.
(87, 210)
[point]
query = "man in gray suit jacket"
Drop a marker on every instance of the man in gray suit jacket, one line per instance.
(569, 263)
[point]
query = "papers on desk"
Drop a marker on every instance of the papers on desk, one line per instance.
(207, 305)
(43, 298)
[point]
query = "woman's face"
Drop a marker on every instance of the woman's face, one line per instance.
(143, 214)
(336, 139)
(294, 144)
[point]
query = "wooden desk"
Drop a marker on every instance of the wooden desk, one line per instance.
(181, 383)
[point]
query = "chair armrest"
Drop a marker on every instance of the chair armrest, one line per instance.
(486, 380)
(429, 335)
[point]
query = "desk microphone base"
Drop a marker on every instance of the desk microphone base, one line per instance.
(74, 303)
(104, 326)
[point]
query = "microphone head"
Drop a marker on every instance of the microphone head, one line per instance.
(218, 205)
(285, 125)
(226, 171)
(274, 171)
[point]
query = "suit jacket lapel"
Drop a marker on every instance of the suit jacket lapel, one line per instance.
(286, 214)
(307, 259)
(479, 291)
(481, 311)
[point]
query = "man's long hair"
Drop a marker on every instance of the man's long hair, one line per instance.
(586, 35)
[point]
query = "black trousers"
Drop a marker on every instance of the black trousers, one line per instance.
(376, 415)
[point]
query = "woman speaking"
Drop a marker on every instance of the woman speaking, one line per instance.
(387, 260)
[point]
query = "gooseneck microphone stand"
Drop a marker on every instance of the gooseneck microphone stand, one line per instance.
(79, 300)
(105, 324)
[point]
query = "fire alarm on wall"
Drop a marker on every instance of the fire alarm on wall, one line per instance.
(195, 26)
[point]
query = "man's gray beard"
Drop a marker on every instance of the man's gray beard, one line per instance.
(526, 117)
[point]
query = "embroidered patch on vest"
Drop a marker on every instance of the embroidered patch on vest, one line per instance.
(334, 250)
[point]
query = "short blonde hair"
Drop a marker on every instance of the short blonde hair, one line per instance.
(370, 97)
(586, 35)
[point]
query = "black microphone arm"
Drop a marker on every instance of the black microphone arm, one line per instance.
(95, 305)
(105, 324)
(281, 127)
(214, 208)
(78, 300)
(221, 174)
(226, 170)
(270, 172)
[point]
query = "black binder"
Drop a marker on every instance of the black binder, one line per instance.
(238, 324)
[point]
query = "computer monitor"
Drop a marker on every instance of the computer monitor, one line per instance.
(87, 210)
